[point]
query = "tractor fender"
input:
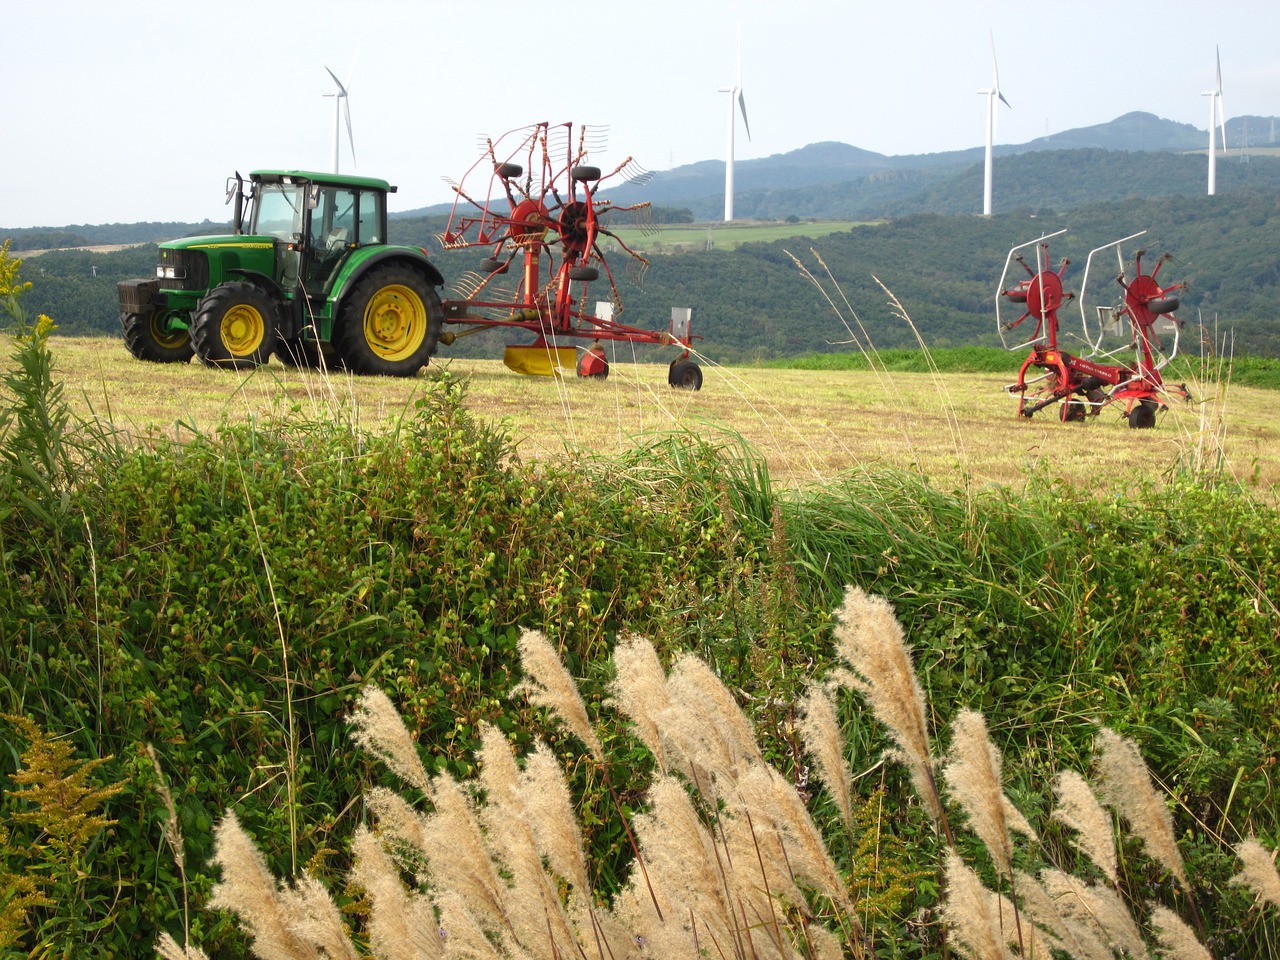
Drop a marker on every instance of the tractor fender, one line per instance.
(358, 265)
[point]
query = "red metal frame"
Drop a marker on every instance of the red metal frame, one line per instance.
(540, 216)
(1080, 384)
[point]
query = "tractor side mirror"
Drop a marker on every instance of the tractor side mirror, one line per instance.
(313, 196)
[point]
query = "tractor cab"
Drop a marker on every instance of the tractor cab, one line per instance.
(316, 221)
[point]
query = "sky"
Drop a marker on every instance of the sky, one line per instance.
(124, 111)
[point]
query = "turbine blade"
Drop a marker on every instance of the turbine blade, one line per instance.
(346, 112)
(1218, 56)
(742, 107)
(342, 91)
(1003, 100)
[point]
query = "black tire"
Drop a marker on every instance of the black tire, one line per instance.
(494, 266)
(584, 274)
(1163, 305)
(235, 326)
(508, 171)
(1143, 415)
(1073, 411)
(685, 375)
(390, 323)
(585, 174)
(149, 337)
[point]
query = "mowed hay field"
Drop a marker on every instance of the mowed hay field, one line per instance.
(809, 426)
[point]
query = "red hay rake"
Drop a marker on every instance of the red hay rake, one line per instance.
(531, 201)
(1083, 385)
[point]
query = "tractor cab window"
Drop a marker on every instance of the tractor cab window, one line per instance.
(371, 218)
(277, 211)
(333, 221)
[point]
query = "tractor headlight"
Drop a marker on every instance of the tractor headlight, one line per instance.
(166, 271)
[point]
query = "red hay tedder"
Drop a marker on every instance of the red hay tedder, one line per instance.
(1083, 385)
(530, 201)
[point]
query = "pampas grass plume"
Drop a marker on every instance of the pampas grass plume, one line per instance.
(639, 690)
(819, 728)
(1259, 871)
(548, 684)
(968, 911)
(973, 777)
(1177, 941)
(870, 640)
(1125, 786)
(169, 949)
(1079, 809)
(379, 728)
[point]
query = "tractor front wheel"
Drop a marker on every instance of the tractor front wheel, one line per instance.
(390, 324)
(151, 336)
(234, 327)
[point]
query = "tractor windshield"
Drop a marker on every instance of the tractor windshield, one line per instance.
(278, 211)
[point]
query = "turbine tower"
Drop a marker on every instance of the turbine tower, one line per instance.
(737, 101)
(1217, 117)
(992, 93)
(341, 108)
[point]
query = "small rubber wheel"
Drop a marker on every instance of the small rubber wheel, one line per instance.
(1163, 305)
(154, 337)
(584, 274)
(1143, 415)
(585, 174)
(494, 266)
(685, 375)
(1073, 411)
(508, 171)
(234, 326)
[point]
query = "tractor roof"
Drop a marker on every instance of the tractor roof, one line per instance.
(311, 176)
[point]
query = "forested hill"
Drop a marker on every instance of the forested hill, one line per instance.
(755, 302)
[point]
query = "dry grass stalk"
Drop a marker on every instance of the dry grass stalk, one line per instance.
(1124, 784)
(819, 728)
(379, 728)
(1079, 809)
(870, 640)
(639, 690)
(973, 776)
(1176, 940)
(1258, 871)
(548, 684)
(317, 918)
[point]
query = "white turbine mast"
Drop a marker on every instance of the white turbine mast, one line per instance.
(737, 104)
(992, 94)
(1217, 118)
(341, 109)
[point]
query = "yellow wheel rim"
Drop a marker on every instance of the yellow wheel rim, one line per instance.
(242, 330)
(167, 338)
(395, 322)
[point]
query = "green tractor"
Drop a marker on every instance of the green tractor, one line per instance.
(307, 275)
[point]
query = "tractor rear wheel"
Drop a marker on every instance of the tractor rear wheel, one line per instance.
(390, 323)
(150, 337)
(234, 326)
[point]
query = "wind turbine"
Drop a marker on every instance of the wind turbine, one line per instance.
(341, 108)
(1217, 116)
(992, 93)
(735, 100)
